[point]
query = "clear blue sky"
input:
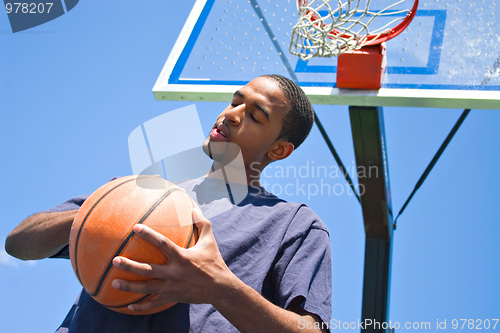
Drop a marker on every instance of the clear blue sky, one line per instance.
(72, 90)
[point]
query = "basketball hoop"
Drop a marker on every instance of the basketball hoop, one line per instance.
(347, 27)
(351, 33)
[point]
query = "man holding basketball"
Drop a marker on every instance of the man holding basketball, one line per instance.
(263, 265)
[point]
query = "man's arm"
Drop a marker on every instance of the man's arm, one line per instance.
(40, 235)
(199, 275)
(248, 311)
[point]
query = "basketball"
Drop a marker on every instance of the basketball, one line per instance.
(102, 230)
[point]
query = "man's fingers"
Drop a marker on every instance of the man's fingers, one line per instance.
(198, 215)
(152, 287)
(168, 247)
(141, 287)
(204, 226)
(144, 269)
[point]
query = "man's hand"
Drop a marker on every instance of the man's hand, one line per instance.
(200, 275)
(194, 275)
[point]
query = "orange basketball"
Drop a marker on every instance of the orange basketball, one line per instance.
(102, 230)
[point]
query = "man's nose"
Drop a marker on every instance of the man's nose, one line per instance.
(234, 115)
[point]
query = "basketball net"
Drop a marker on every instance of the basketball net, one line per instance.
(326, 31)
(349, 30)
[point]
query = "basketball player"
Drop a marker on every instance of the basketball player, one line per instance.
(262, 265)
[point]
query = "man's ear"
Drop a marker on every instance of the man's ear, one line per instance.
(280, 150)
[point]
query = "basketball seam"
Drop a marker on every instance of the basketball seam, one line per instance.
(193, 227)
(85, 219)
(140, 299)
(127, 239)
(191, 236)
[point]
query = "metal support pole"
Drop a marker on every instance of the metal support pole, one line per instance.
(368, 133)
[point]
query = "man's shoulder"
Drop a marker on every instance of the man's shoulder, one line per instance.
(298, 216)
(71, 204)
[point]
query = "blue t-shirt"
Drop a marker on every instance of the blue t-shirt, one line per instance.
(281, 249)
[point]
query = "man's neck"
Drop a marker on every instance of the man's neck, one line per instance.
(238, 175)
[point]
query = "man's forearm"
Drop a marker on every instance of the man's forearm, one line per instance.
(249, 311)
(40, 235)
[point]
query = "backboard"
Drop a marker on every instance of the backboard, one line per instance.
(449, 56)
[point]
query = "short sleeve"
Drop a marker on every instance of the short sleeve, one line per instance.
(71, 204)
(303, 268)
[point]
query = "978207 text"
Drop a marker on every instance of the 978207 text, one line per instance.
(473, 324)
(28, 8)
(454, 324)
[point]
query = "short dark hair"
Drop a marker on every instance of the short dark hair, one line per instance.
(300, 118)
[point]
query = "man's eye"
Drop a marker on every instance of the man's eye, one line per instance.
(253, 118)
(234, 105)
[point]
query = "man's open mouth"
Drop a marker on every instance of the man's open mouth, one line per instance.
(220, 132)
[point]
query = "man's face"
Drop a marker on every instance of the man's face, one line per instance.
(253, 120)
